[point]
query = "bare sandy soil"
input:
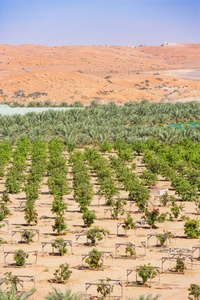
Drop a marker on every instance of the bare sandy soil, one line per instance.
(186, 74)
(172, 286)
(100, 73)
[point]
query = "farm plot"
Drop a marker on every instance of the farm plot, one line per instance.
(62, 226)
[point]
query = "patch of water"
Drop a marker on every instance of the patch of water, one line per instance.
(6, 110)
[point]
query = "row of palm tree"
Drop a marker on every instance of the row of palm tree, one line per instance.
(98, 123)
(55, 294)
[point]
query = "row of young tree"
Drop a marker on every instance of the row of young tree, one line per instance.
(15, 176)
(5, 156)
(82, 186)
(105, 175)
(163, 160)
(112, 174)
(34, 179)
(103, 290)
(130, 183)
(57, 183)
(154, 156)
(138, 186)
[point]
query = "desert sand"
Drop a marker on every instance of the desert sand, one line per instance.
(102, 73)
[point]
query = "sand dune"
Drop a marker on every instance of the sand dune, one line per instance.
(72, 73)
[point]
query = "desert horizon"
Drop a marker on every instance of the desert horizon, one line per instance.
(102, 73)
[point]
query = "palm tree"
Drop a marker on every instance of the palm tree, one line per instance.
(178, 115)
(56, 294)
(9, 133)
(196, 137)
(12, 295)
(6, 121)
(18, 119)
(167, 135)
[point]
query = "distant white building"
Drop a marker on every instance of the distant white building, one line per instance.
(168, 44)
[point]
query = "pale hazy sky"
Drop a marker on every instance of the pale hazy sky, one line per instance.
(88, 22)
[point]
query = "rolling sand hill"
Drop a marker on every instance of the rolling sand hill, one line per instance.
(103, 73)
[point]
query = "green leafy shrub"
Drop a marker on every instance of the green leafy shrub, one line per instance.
(62, 274)
(128, 223)
(15, 176)
(4, 211)
(146, 272)
(120, 144)
(31, 216)
(164, 237)
(20, 257)
(13, 184)
(191, 229)
(165, 199)
(105, 147)
(83, 189)
(60, 244)
(125, 154)
(88, 217)
(96, 234)
(118, 208)
(59, 225)
(104, 288)
(28, 235)
(194, 292)
(94, 259)
(71, 146)
(11, 279)
(176, 210)
(133, 166)
(151, 217)
(129, 251)
(138, 193)
(180, 265)
(5, 197)
(149, 178)
(138, 146)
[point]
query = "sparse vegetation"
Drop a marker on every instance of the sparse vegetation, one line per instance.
(62, 274)
(146, 272)
(191, 228)
(180, 265)
(27, 236)
(129, 251)
(60, 244)
(12, 294)
(194, 292)
(96, 234)
(94, 259)
(128, 223)
(20, 257)
(57, 294)
(104, 288)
